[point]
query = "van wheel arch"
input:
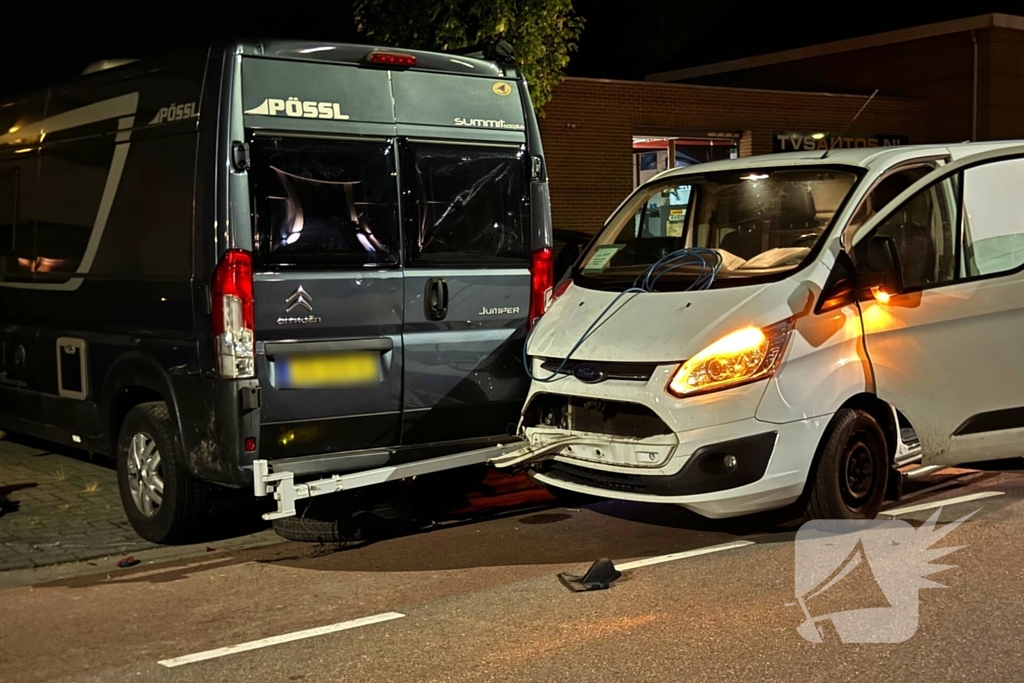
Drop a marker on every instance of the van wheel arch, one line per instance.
(882, 412)
(124, 399)
(135, 379)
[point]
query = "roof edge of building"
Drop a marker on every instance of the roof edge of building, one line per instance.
(983, 21)
(812, 93)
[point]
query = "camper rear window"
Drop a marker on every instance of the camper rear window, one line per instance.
(465, 204)
(324, 202)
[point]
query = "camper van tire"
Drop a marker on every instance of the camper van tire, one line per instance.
(347, 518)
(163, 501)
(309, 530)
(852, 469)
(328, 519)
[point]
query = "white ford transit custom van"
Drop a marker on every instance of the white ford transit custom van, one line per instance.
(750, 333)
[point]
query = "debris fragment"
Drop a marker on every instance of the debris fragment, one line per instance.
(598, 577)
(128, 562)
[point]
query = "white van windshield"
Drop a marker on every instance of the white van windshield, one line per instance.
(760, 223)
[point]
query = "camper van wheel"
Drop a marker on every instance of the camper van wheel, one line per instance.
(319, 520)
(852, 469)
(347, 518)
(163, 501)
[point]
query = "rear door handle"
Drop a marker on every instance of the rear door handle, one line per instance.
(436, 298)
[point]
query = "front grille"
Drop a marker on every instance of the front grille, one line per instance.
(613, 481)
(611, 418)
(631, 372)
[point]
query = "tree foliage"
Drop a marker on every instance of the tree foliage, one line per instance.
(543, 32)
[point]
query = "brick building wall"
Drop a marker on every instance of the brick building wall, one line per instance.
(589, 124)
(1001, 96)
(938, 70)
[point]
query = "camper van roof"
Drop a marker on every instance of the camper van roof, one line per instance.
(348, 53)
(300, 50)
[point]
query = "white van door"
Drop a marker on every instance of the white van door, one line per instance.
(946, 351)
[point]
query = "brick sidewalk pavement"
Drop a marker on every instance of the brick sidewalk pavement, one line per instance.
(55, 507)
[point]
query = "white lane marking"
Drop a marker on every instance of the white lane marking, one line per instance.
(939, 503)
(277, 640)
(626, 566)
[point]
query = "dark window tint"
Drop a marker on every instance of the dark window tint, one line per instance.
(17, 224)
(324, 202)
(465, 205)
(884, 192)
(73, 178)
(924, 230)
(8, 209)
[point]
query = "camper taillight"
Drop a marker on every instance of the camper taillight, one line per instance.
(542, 278)
(232, 311)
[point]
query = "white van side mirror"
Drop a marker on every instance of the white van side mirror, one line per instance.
(878, 267)
(877, 270)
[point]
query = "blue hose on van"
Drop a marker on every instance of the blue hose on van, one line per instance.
(644, 283)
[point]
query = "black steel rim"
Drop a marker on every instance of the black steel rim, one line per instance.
(857, 473)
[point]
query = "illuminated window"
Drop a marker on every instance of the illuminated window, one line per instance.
(993, 220)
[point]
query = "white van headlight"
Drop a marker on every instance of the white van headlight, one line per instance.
(746, 355)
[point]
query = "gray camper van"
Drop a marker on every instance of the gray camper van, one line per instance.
(321, 256)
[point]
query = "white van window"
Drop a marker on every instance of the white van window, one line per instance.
(924, 229)
(884, 191)
(993, 218)
(762, 223)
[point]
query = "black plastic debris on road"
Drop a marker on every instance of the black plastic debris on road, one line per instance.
(598, 577)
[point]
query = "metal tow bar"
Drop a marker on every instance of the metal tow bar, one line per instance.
(281, 484)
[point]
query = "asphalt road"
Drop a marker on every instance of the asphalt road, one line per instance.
(479, 601)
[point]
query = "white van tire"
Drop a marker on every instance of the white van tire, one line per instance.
(850, 476)
(183, 498)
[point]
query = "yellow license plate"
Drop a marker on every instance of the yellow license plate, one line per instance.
(346, 369)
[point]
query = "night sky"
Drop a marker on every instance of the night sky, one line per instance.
(624, 40)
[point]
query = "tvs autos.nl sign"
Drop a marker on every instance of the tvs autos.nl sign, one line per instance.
(796, 142)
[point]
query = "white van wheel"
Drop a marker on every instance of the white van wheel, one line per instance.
(852, 469)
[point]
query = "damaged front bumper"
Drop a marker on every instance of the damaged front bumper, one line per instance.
(719, 471)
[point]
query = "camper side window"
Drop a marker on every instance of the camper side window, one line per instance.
(17, 224)
(924, 230)
(8, 209)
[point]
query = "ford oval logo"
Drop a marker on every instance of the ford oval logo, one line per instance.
(591, 374)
